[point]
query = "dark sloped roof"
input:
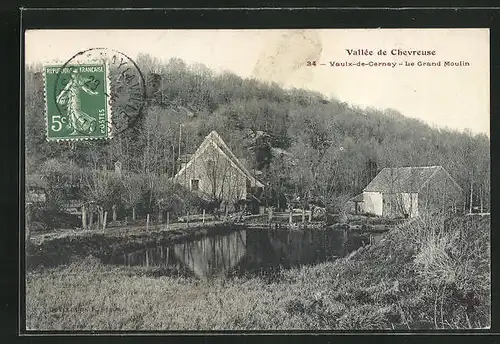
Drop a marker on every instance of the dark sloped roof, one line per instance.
(401, 179)
(357, 198)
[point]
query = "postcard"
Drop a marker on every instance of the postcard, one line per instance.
(257, 179)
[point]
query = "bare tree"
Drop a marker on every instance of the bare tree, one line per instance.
(277, 176)
(102, 190)
(132, 192)
(303, 172)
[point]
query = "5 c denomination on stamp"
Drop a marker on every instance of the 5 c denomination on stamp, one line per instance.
(97, 94)
(76, 103)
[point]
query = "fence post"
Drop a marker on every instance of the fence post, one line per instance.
(147, 222)
(114, 212)
(270, 215)
(84, 217)
(104, 221)
(100, 211)
(290, 216)
(481, 198)
(91, 218)
(168, 218)
(203, 216)
(470, 204)
(310, 215)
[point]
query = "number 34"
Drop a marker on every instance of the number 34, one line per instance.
(57, 122)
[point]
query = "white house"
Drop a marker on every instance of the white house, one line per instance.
(404, 191)
(215, 173)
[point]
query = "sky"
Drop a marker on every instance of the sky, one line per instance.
(443, 96)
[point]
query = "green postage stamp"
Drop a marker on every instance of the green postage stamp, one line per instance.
(76, 98)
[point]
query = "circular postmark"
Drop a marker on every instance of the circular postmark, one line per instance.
(94, 73)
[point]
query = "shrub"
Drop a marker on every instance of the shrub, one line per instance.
(453, 265)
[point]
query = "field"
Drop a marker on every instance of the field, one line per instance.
(425, 274)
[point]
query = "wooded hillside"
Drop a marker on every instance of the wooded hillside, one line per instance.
(305, 144)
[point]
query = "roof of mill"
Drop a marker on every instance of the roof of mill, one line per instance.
(357, 198)
(402, 179)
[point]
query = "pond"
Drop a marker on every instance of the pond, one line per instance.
(244, 251)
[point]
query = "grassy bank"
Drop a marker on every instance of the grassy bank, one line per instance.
(419, 276)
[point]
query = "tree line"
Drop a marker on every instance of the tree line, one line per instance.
(309, 148)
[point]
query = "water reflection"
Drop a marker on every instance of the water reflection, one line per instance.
(245, 251)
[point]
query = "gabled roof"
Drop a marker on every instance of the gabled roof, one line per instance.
(357, 198)
(215, 140)
(403, 179)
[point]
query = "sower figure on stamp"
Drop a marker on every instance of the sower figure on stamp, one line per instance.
(78, 121)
